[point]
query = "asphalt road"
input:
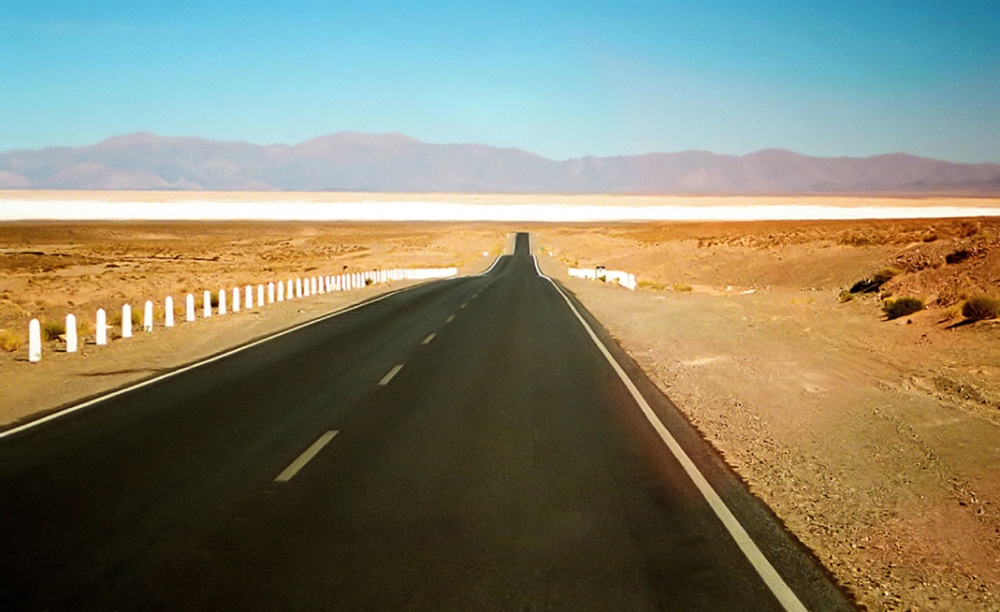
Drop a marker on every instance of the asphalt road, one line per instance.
(504, 466)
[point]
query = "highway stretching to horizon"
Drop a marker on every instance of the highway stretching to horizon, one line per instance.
(476, 443)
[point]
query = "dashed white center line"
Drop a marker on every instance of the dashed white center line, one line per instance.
(450, 319)
(428, 339)
(305, 457)
(385, 379)
(463, 305)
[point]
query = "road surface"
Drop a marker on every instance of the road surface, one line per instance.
(460, 445)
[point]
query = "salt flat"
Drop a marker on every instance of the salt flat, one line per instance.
(274, 206)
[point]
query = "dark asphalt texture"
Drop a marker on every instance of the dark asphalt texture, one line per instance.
(505, 467)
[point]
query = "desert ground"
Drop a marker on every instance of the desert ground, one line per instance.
(877, 442)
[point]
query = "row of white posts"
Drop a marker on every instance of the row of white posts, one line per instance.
(241, 299)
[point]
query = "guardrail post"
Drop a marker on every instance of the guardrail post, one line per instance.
(102, 327)
(34, 341)
(126, 321)
(71, 333)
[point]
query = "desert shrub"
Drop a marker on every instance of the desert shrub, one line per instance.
(875, 281)
(846, 296)
(368, 281)
(9, 341)
(647, 284)
(213, 298)
(51, 330)
(981, 307)
(901, 307)
(682, 287)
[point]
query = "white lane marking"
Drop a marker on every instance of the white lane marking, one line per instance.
(450, 319)
(463, 305)
(305, 457)
(198, 364)
(385, 379)
(768, 574)
(428, 339)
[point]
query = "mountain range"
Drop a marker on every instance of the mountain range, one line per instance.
(351, 161)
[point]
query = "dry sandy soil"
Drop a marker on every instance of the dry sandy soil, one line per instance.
(48, 270)
(877, 442)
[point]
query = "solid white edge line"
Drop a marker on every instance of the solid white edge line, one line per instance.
(197, 364)
(428, 339)
(768, 574)
(305, 457)
(392, 373)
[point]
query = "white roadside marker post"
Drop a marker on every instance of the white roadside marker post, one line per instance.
(249, 297)
(222, 301)
(71, 333)
(236, 299)
(102, 327)
(298, 287)
(270, 293)
(288, 290)
(260, 296)
(281, 291)
(168, 312)
(189, 308)
(206, 304)
(147, 317)
(34, 341)
(126, 321)
(312, 283)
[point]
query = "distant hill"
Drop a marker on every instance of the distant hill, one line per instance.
(350, 161)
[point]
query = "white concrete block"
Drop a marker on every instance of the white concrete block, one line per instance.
(126, 321)
(168, 312)
(281, 291)
(236, 299)
(312, 284)
(70, 333)
(102, 327)
(189, 308)
(249, 297)
(147, 317)
(260, 296)
(288, 290)
(222, 301)
(34, 341)
(206, 304)
(270, 293)
(298, 287)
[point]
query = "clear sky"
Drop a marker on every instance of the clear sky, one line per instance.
(563, 79)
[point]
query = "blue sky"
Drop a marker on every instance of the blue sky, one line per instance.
(563, 79)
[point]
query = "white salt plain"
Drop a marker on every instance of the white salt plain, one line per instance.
(12, 209)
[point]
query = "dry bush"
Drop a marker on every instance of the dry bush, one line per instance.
(9, 341)
(647, 284)
(51, 330)
(901, 307)
(981, 307)
(682, 287)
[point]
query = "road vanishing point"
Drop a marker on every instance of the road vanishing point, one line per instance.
(477, 443)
